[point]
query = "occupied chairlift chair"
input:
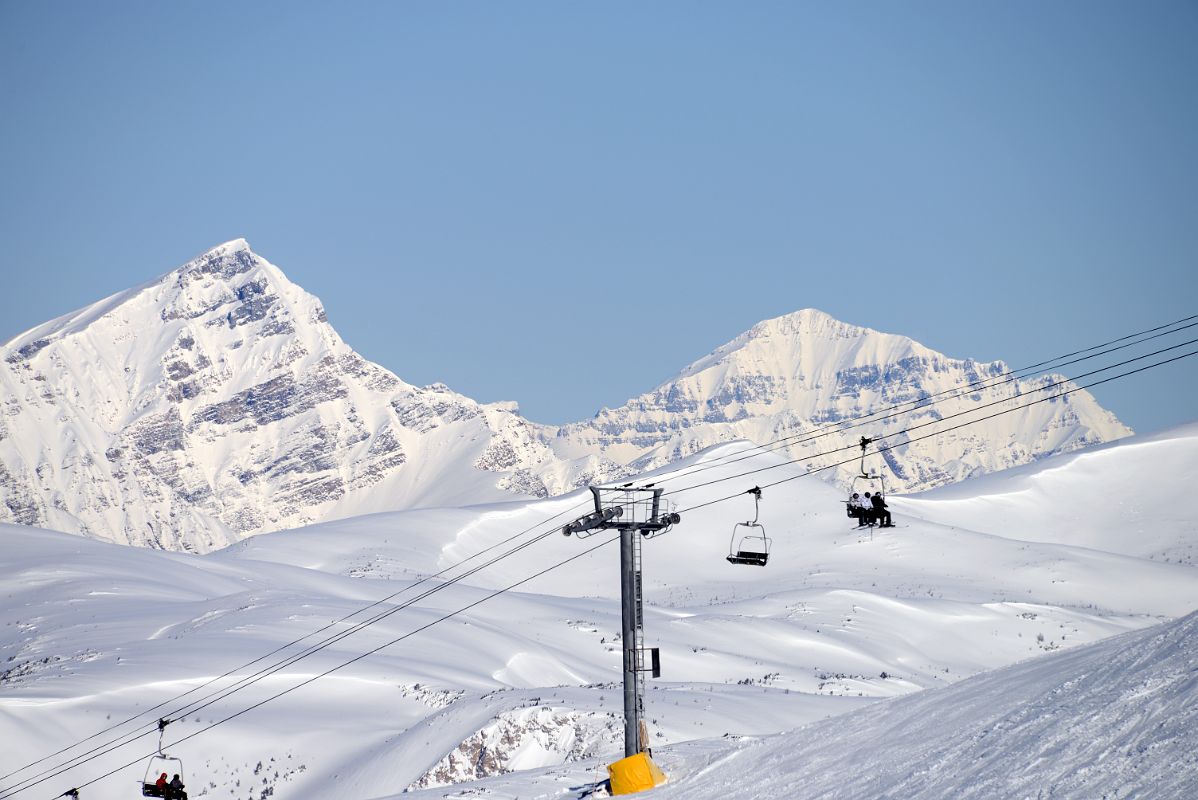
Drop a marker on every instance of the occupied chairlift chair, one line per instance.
(159, 764)
(864, 482)
(749, 544)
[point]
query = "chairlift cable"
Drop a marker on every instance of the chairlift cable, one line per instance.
(1010, 376)
(937, 421)
(248, 681)
(932, 434)
(180, 712)
(262, 674)
(357, 658)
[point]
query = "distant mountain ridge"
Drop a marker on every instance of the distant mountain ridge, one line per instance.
(216, 402)
(804, 372)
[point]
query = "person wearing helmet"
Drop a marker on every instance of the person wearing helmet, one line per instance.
(176, 787)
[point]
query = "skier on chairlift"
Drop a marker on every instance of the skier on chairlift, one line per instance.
(176, 787)
(857, 509)
(880, 513)
(868, 518)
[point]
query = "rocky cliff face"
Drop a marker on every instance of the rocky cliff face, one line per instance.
(800, 374)
(525, 738)
(217, 402)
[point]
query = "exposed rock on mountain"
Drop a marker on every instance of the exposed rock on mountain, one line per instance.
(217, 402)
(526, 738)
(797, 375)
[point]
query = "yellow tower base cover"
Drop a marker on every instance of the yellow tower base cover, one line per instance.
(634, 774)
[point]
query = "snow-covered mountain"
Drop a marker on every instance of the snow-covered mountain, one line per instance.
(519, 696)
(803, 372)
(217, 402)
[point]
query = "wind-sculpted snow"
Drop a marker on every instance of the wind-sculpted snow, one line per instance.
(218, 402)
(1116, 719)
(515, 696)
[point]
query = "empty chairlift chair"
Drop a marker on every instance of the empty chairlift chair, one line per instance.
(749, 543)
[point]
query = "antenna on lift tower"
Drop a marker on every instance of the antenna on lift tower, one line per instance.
(631, 510)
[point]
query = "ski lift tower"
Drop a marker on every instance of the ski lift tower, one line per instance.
(631, 510)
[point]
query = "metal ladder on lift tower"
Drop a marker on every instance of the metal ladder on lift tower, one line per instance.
(638, 644)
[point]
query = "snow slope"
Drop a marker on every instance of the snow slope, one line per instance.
(216, 402)
(1115, 719)
(1089, 499)
(91, 632)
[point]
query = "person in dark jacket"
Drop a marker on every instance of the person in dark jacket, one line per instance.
(176, 787)
(880, 513)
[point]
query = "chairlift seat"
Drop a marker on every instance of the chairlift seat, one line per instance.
(749, 546)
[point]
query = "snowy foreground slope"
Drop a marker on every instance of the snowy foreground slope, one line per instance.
(837, 623)
(217, 402)
(1115, 719)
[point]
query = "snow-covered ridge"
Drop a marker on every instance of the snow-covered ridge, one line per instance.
(217, 402)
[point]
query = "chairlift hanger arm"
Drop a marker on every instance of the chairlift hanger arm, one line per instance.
(865, 442)
(756, 492)
(162, 723)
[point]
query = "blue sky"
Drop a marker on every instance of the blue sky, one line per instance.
(565, 203)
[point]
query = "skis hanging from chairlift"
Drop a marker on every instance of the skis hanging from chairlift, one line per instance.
(749, 544)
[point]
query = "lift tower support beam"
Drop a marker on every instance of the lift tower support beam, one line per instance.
(630, 607)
